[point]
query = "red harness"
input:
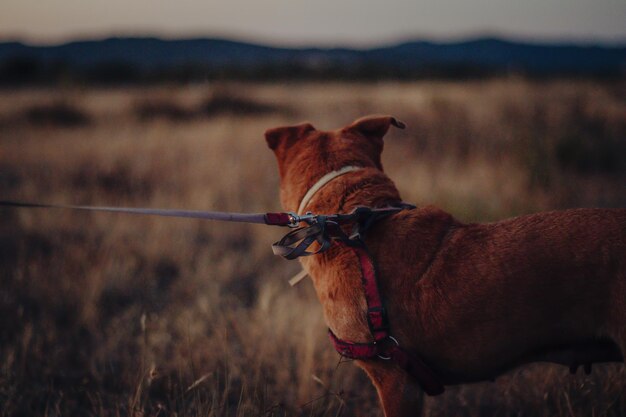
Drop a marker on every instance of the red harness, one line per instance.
(384, 346)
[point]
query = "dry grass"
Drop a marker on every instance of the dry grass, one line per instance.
(118, 315)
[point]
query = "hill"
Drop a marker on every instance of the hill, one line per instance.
(153, 59)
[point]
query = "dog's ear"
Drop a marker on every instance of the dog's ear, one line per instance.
(375, 126)
(274, 137)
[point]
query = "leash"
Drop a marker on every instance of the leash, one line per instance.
(325, 230)
(291, 246)
(319, 228)
(270, 219)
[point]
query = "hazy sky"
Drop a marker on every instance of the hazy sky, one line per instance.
(324, 22)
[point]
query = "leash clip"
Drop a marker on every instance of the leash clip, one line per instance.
(295, 220)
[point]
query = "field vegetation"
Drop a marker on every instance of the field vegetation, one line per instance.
(115, 315)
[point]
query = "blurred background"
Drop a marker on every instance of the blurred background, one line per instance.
(511, 108)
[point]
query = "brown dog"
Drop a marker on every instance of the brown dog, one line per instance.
(472, 300)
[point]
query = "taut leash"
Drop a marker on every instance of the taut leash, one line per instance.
(318, 228)
(323, 230)
(271, 219)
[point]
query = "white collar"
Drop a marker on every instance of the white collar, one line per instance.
(322, 182)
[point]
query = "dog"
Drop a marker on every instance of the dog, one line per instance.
(470, 300)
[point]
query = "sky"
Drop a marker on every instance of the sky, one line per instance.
(315, 22)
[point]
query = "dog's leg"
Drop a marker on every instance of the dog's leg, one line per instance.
(399, 394)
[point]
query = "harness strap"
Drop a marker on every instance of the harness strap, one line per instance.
(376, 313)
(389, 350)
(384, 346)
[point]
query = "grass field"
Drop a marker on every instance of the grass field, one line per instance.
(115, 315)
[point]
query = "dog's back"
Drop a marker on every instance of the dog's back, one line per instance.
(518, 286)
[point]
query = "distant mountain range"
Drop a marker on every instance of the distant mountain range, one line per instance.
(133, 59)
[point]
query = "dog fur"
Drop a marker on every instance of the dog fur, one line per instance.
(472, 300)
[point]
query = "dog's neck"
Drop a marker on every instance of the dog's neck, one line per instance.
(366, 186)
(322, 182)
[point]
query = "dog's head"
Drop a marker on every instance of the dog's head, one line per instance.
(305, 154)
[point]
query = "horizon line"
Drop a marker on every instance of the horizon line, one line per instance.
(36, 41)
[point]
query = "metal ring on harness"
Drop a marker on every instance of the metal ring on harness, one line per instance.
(394, 340)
